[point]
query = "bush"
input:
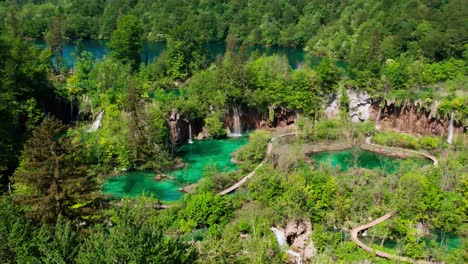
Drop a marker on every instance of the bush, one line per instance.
(408, 141)
(215, 126)
(254, 151)
(327, 129)
(428, 142)
(207, 209)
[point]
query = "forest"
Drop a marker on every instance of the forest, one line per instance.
(315, 151)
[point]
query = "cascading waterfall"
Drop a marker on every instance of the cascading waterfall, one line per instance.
(281, 238)
(377, 120)
(236, 129)
(450, 130)
(97, 123)
(190, 141)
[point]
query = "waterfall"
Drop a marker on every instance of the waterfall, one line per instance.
(236, 129)
(281, 238)
(450, 130)
(190, 141)
(97, 123)
(377, 120)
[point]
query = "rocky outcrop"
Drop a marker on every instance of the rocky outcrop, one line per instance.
(204, 134)
(251, 118)
(333, 107)
(296, 235)
(359, 105)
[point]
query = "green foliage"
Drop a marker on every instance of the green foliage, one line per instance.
(52, 176)
(25, 92)
(267, 186)
(215, 125)
(207, 209)
(322, 238)
(408, 141)
(126, 41)
(327, 75)
(135, 237)
(319, 192)
(327, 130)
(252, 153)
(184, 54)
(16, 234)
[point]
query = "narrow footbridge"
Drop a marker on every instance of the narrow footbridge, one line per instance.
(354, 236)
(252, 173)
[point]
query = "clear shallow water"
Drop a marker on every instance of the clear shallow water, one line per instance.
(198, 156)
(358, 158)
(152, 50)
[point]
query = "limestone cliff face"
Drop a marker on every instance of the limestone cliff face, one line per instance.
(254, 119)
(178, 129)
(359, 105)
(412, 118)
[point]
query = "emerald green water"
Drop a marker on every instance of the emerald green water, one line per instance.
(198, 156)
(358, 158)
(449, 241)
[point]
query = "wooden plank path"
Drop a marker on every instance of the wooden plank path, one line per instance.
(252, 173)
(429, 156)
(354, 236)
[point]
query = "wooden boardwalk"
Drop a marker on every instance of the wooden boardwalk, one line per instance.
(354, 236)
(252, 173)
(429, 156)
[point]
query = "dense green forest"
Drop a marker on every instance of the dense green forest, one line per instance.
(403, 54)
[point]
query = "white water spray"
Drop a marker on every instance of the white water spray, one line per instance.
(450, 130)
(377, 120)
(281, 238)
(236, 129)
(97, 123)
(190, 141)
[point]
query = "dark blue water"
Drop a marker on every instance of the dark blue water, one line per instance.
(152, 50)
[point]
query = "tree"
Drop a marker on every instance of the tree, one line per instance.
(327, 75)
(126, 41)
(147, 132)
(135, 236)
(184, 52)
(52, 177)
(207, 209)
(54, 39)
(15, 234)
(24, 90)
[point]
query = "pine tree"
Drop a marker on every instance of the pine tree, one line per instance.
(52, 178)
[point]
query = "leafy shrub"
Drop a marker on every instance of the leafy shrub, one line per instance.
(428, 142)
(254, 151)
(215, 126)
(408, 141)
(327, 129)
(207, 209)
